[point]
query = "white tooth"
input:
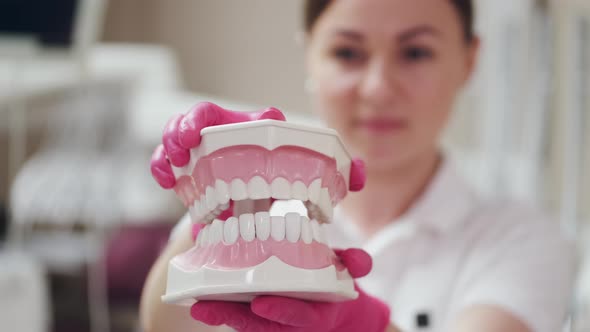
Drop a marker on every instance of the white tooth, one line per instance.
(221, 192)
(204, 233)
(299, 191)
(224, 207)
(200, 212)
(325, 204)
(314, 191)
(281, 189)
(199, 240)
(306, 232)
(211, 199)
(316, 230)
(323, 236)
(329, 213)
(247, 229)
(277, 228)
(194, 211)
(258, 188)
(231, 230)
(262, 225)
(203, 202)
(216, 232)
(293, 226)
(238, 190)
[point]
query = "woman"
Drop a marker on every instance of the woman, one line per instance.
(385, 74)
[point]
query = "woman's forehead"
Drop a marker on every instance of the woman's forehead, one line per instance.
(388, 17)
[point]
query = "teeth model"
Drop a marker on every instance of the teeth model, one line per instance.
(251, 169)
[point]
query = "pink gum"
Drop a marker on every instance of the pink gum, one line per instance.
(244, 254)
(246, 161)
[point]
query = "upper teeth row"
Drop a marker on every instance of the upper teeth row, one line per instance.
(216, 199)
(262, 226)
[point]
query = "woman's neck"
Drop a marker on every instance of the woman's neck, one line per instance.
(389, 194)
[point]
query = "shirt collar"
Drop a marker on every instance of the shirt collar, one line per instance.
(445, 204)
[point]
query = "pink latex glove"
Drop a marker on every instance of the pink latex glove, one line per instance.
(281, 314)
(183, 132)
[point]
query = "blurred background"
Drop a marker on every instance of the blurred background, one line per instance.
(86, 87)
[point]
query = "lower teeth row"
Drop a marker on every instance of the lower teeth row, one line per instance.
(292, 227)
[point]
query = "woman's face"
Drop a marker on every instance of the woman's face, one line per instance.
(385, 74)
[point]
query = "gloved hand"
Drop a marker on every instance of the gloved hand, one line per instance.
(183, 132)
(281, 314)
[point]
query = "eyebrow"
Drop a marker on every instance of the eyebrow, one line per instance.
(402, 37)
(417, 31)
(350, 34)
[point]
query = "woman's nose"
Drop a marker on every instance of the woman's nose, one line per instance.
(379, 87)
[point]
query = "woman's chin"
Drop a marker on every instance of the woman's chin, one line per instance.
(382, 163)
(383, 154)
(387, 159)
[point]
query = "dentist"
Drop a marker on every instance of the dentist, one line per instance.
(385, 75)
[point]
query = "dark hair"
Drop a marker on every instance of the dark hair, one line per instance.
(315, 8)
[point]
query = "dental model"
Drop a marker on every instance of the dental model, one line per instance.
(243, 249)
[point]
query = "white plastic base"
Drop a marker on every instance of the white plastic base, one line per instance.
(272, 277)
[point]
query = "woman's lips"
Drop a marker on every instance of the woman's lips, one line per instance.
(381, 125)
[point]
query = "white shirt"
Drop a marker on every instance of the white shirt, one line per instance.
(453, 250)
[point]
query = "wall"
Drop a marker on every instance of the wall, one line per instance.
(243, 50)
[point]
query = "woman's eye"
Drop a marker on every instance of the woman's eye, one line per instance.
(347, 54)
(417, 54)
